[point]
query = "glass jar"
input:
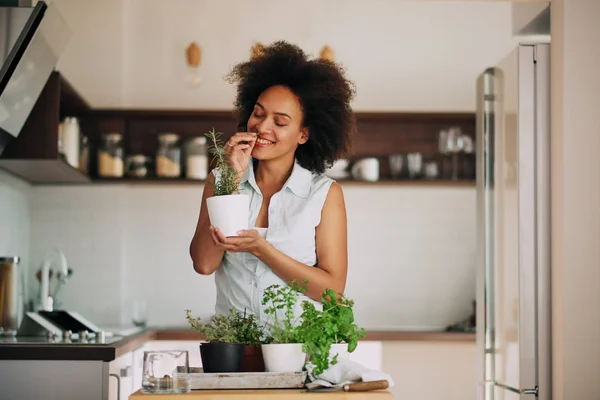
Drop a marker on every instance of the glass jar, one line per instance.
(110, 156)
(137, 166)
(196, 160)
(168, 156)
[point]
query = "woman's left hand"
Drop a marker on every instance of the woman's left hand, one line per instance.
(248, 241)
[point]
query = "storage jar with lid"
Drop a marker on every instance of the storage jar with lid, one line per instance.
(196, 166)
(168, 156)
(11, 295)
(110, 156)
(137, 166)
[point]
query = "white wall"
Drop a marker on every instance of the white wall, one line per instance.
(14, 219)
(93, 59)
(411, 252)
(576, 199)
(402, 55)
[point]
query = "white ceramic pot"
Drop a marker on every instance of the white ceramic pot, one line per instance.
(341, 349)
(284, 357)
(229, 213)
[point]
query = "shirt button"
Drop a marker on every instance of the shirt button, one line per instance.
(255, 284)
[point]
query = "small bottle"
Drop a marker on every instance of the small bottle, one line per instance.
(196, 165)
(70, 141)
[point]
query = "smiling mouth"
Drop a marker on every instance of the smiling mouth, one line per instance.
(264, 142)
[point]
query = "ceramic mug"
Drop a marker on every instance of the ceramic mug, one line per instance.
(366, 169)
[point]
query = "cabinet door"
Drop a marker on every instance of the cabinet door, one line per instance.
(368, 354)
(123, 368)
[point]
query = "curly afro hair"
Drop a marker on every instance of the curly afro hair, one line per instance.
(322, 89)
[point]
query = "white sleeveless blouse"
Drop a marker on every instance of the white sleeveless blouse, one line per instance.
(294, 214)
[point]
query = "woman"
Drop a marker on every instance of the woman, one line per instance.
(295, 120)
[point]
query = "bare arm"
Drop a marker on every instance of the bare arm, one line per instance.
(206, 256)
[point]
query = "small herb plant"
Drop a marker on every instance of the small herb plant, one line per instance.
(227, 182)
(278, 297)
(322, 328)
(231, 328)
(248, 330)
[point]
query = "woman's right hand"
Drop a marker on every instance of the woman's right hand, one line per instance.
(238, 154)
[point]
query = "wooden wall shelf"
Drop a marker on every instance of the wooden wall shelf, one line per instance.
(34, 154)
(346, 182)
(379, 135)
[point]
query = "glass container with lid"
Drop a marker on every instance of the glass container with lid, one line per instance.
(137, 166)
(196, 165)
(168, 156)
(110, 156)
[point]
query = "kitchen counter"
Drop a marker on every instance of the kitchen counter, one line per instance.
(44, 349)
(290, 394)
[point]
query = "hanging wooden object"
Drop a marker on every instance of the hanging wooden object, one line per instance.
(327, 54)
(257, 51)
(194, 55)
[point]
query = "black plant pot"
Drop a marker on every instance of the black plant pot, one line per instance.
(221, 357)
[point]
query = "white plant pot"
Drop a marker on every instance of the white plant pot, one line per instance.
(229, 213)
(341, 349)
(283, 357)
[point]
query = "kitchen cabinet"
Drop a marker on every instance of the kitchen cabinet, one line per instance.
(120, 381)
(34, 154)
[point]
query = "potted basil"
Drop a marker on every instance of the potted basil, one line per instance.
(227, 209)
(283, 351)
(329, 334)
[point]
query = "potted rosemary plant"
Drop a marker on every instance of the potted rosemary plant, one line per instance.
(227, 210)
(283, 351)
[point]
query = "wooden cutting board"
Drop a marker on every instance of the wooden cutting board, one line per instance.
(259, 394)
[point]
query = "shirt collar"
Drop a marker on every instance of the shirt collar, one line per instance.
(299, 181)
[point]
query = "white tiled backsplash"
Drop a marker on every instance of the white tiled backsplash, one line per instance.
(411, 251)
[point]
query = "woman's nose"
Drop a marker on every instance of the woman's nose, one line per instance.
(264, 126)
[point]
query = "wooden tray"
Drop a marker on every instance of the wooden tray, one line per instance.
(246, 380)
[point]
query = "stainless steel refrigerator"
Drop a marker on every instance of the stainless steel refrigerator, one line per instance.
(513, 222)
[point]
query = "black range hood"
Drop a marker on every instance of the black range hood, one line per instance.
(31, 41)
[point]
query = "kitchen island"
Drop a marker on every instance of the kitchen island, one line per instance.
(291, 394)
(55, 369)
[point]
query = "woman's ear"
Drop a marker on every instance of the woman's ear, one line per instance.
(304, 136)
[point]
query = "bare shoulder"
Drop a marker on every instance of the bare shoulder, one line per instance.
(335, 192)
(334, 199)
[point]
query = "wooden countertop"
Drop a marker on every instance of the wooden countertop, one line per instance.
(383, 336)
(45, 350)
(287, 394)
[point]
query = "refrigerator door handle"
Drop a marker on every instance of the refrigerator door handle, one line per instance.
(528, 301)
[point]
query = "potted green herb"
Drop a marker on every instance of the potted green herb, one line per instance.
(250, 334)
(223, 352)
(227, 209)
(283, 352)
(233, 342)
(329, 334)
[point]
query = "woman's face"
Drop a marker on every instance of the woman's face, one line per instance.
(277, 118)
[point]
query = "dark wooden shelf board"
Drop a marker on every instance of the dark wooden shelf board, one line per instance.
(387, 182)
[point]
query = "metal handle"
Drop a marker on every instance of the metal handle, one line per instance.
(118, 385)
(484, 141)
(125, 372)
